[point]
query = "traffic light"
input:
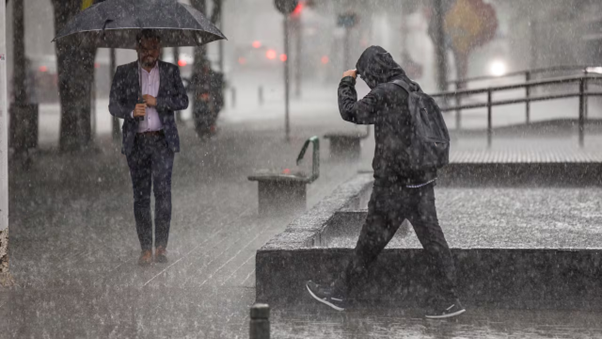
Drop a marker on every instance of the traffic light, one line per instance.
(286, 7)
(297, 11)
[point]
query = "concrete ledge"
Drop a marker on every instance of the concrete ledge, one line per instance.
(511, 278)
(514, 257)
(522, 174)
(302, 231)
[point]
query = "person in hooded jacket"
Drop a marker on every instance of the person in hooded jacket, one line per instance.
(396, 195)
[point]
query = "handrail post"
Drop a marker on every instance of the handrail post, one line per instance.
(489, 118)
(586, 107)
(259, 327)
(233, 92)
(260, 95)
(528, 96)
(458, 111)
(581, 111)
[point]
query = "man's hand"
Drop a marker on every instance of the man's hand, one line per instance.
(350, 73)
(150, 100)
(140, 110)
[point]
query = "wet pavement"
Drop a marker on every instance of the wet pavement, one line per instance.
(507, 218)
(74, 249)
(318, 323)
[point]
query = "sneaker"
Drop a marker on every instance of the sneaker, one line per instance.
(451, 310)
(327, 295)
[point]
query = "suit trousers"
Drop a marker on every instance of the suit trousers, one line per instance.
(391, 204)
(151, 165)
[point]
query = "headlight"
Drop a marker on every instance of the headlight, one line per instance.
(594, 70)
(497, 68)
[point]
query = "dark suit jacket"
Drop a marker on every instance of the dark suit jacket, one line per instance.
(171, 97)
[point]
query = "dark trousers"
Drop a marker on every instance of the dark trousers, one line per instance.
(151, 164)
(390, 204)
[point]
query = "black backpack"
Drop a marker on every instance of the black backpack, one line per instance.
(429, 139)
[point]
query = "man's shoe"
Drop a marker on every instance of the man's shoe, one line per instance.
(452, 309)
(145, 258)
(161, 255)
(327, 295)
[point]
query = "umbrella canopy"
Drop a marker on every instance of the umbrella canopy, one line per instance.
(115, 24)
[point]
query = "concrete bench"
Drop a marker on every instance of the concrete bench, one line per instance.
(346, 144)
(281, 192)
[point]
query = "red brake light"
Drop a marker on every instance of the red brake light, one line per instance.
(298, 9)
(271, 54)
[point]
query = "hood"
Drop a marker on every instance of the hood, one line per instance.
(376, 66)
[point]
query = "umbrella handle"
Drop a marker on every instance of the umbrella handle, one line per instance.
(108, 21)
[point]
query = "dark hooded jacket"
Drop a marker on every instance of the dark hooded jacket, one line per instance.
(385, 107)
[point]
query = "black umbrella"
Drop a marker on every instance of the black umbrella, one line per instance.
(115, 24)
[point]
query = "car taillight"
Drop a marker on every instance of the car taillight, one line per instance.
(271, 54)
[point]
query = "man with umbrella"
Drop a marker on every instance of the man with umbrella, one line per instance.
(145, 94)
(150, 136)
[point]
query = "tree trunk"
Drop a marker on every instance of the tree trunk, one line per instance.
(461, 60)
(19, 66)
(75, 65)
(200, 54)
(440, 48)
(19, 124)
(217, 19)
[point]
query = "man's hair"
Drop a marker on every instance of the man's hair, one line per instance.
(147, 34)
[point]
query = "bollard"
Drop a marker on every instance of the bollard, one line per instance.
(260, 322)
(260, 95)
(233, 97)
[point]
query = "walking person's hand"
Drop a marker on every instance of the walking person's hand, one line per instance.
(150, 100)
(350, 73)
(140, 110)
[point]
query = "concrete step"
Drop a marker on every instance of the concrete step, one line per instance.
(515, 248)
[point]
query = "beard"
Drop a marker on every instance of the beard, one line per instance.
(149, 62)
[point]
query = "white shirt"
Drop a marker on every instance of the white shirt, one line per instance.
(150, 85)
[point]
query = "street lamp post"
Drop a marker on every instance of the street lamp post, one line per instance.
(347, 20)
(287, 120)
(286, 7)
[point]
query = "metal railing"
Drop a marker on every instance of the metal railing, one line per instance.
(582, 94)
(527, 75)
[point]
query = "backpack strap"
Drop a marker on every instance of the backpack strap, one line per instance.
(402, 84)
